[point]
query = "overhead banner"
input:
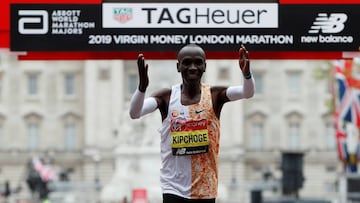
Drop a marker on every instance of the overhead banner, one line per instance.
(169, 26)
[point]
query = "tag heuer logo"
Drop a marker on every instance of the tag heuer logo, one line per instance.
(333, 23)
(122, 15)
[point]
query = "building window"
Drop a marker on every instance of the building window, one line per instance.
(294, 83)
(104, 73)
(33, 84)
(259, 86)
(132, 83)
(223, 73)
(330, 169)
(72, 131)
(294, 129)
(69, 84)
(1, 83)
(131, 78)
(257, 136)
(33, 130)
(33, 136)
(70, 136)
(1, 137)
(294, 135)
(255, 127)
(330, 136)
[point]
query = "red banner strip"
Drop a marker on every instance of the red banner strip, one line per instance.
(4, 39)
(56, 1)
(172, 55)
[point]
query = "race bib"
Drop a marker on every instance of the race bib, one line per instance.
(189, 137)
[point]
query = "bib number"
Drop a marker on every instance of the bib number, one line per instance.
(189, 137)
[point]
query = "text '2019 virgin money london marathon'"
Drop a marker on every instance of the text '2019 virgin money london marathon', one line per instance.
(183, 39)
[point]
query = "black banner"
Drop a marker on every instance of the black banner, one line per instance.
(63, 27)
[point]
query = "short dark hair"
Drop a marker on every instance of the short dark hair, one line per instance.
(192, 45)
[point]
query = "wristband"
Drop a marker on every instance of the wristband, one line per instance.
(248, 76)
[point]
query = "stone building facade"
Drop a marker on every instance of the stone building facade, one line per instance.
(74, 114)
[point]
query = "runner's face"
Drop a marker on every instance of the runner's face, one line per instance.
(191, 63)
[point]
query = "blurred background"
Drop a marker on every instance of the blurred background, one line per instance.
(65, 133)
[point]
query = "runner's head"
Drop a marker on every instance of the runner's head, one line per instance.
(191, 63)
(189, 50)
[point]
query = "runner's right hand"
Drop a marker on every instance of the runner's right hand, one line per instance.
(143, 73)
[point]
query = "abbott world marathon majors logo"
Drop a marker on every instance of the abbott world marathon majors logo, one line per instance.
(57, 22)
(327, 26)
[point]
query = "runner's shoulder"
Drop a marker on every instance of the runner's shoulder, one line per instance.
(218, 89)
(164, 92)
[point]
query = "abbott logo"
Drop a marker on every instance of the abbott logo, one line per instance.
(33, 22)
(332, 24)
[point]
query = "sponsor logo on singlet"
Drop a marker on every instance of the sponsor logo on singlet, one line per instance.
(189, 137)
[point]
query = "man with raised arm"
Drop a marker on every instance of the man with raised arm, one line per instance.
(190, 131)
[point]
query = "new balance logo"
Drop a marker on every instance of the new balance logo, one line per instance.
(329, 24)
(181, 151)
